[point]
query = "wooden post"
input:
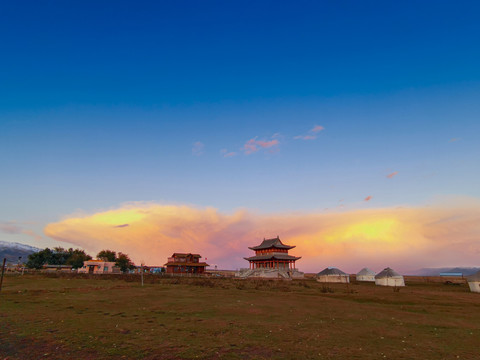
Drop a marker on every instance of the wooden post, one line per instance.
(3, 271)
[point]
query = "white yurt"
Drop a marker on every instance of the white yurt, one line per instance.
(333, 275)
(366, 275)
(474, 282)
(389, 277)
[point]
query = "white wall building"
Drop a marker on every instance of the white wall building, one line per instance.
(366, 275)
(389, 277)
(474, 282)
(99, 267)
(333, 275)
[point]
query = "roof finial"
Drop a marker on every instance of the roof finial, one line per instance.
(278, 237)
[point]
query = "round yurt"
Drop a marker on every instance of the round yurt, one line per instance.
(366, 275)
(389, 277)
(474, 282)
(333, 275)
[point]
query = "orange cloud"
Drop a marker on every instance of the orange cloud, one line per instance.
(392, 174)
(368, 198)
(404, 238)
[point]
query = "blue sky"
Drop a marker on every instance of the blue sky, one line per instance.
(102, 103)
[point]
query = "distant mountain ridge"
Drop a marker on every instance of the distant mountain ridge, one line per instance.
(466, 271)
(13, 250)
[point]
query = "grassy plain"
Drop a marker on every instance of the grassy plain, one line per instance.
(110, 318)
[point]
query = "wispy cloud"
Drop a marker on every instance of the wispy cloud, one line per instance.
(454, 139)
(317, 128)
(254, 145)
(10, 227)
(404, 238)
(32, 234)
(391, 175)
(121, 226)
(14, 227)
(312, 133)
(368, 198)
(226, 154)
(198, 148)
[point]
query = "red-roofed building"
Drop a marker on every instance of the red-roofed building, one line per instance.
(272, 254)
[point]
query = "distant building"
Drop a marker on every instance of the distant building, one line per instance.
(271, 260)
(333, 275)
(474, 282)
(366, 275)
(55, 268)
(99, 267)
(185, 263)
(456, 274)
(389, 277)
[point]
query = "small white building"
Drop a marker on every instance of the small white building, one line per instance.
(474, 282)
(366, 275)
(332, 275)
(389, 277)
(99, 267)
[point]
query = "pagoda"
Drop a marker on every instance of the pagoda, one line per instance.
(271, 260)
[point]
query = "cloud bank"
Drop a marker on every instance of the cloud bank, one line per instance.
(404, 238)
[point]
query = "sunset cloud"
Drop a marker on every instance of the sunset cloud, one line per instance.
(197, 148)
(226, 154)
(10, 227)
(317, 128)
(13, 227)
(392, 174)
(404, 238)
(312, 133)
(254, 145)
(368, 198)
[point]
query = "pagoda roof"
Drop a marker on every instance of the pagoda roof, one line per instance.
(271, 243)
(272, 256)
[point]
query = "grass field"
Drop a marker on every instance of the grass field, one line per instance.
(48, 317)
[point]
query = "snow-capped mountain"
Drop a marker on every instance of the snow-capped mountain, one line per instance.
(12, 251)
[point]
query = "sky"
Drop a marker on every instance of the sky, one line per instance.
(348, 129)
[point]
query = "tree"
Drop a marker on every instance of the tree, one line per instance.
(77, 257)
(38, 259)
(107, 255)
(57, 256)
(124, 263)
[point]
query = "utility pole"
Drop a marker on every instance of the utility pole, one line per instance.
(141, 271)
(3, 271)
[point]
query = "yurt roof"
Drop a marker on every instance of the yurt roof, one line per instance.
(331, 271)
(386, 273)
(474, 277)
(366, 271)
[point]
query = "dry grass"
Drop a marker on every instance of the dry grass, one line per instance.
(201, 318)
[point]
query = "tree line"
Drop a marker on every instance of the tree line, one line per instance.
(76, 257)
